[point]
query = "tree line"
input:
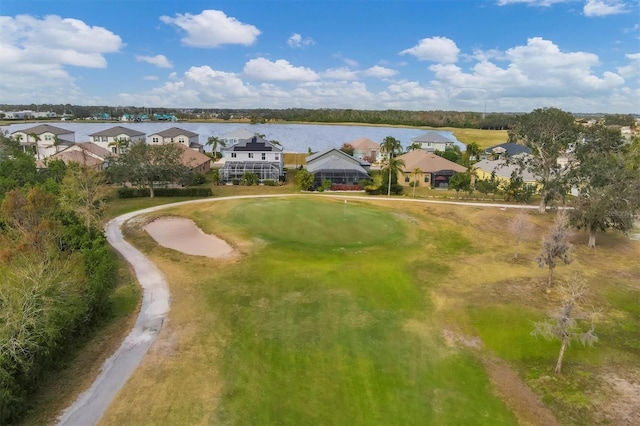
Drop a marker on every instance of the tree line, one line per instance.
(57, 267)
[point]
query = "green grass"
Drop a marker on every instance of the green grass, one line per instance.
(336, 315)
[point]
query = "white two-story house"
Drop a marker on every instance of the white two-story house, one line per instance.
(255, 155)
(433, 141)
(176, 135)
(116, 139)
(44, 140)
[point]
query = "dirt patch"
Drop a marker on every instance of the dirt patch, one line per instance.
(184, 236)
(457, 340)
(621, 402)
(526, 405)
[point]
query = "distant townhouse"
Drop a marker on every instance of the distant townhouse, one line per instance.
(176, 135)
(116, 139)
(433, 141)
(44, 140)
(254, 155)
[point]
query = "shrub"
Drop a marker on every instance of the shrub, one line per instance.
(249, 179)
(165, 192)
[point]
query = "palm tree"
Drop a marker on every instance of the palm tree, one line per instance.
(37, 139)
(390, 146)
(414, 146)
(394, 165)
(56, 142)
(121, 144)
(214, 142)
(415, 179)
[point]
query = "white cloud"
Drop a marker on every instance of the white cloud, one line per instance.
(341, 74)
(633, 69)
(280, 70)
(159, 61)
(150, 77)
(435, 49)
(379, 72)
(537, 74)
(212, 28)
(197, 86)
(604, 7)
(35, 51)
(297, 41)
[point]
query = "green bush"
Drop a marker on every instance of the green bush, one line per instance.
(164, 192)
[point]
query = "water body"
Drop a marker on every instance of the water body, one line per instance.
(292, 137)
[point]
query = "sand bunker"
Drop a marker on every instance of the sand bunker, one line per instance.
(183, 235)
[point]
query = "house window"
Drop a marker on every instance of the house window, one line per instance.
(426, 178)
(278, 157)
(251, 155)
(114, 149)
(154, 140)
(47, 137)
(171, 140)
(233, 155)
(264, 156)
(406, 177)
(181, 140)
(96, 138)
(105, 139)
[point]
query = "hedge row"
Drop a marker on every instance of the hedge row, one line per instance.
(164, 192)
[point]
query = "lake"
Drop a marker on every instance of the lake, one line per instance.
(292, 137)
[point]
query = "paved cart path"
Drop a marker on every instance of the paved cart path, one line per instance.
(90, 406)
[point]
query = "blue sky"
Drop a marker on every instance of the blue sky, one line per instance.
(493, 55)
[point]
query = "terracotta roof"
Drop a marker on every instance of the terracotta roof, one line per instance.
(44, 128)
(117, 130)
(363, 144)
(87, 154)
(428, 162)
(192, 158)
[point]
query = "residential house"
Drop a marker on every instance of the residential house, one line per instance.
(504, 150)
(176, 135)
(87, 154)
(338, 167)
(195, 160)
(433, 141)
(254, 155)
(44, 139)
(236, 136)
(502, 170)
(111, 138)
(427, 169)
(366, 149)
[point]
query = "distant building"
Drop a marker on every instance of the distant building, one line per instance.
(504, 150)
(237, 136)
(337, 167)
(433, 141)
(44, 140)
(87, 154)
(176, 135)
(427, 169)
(254, 155)
(110, 138)
(366, 149)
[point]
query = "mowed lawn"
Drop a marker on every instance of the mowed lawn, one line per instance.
(370, 312)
